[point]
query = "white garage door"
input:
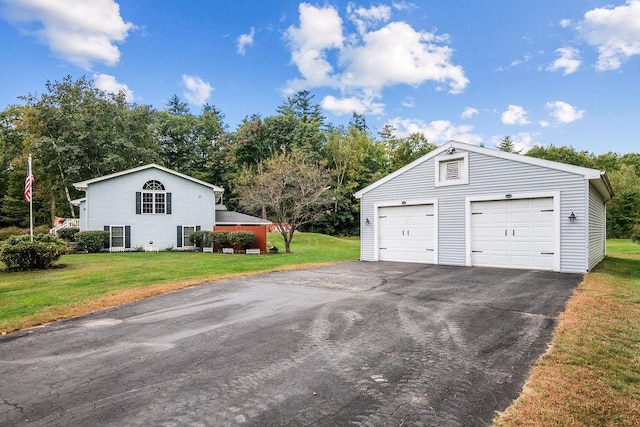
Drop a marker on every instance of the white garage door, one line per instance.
(513, 233)
(406, 233)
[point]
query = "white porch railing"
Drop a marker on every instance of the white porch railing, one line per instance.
(69, 223)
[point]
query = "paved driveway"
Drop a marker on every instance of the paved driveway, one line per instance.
(350, 344)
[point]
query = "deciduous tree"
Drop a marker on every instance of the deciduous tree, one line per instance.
(292, 189)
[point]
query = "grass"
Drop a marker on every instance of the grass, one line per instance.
(590, 374)
(90, 282)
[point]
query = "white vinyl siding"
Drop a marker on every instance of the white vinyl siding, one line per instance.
(487, 175)
(113, 202)
(597, 228)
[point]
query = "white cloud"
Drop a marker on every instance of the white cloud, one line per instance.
(469, 112)
(569, 60)
(245, 40)
(347, 105)
(615, 32)
(398, 54)
(565, 23)
(515, 115)
(81, 32)
(403, 5)
(437, 131)
(527, 57)
(320, 29)
(408, 102)
(562, 113)
(364, 18)
(197, 91)
(109, 84)
(370, 60)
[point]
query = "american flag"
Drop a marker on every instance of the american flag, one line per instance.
(28, 183)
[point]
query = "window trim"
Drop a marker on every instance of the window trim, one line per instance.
(185, 238)
(124, 236)
(440, 163)
(153, 201)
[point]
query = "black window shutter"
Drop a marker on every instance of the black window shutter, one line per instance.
(138, 202)
(197, 228)
(168, 203)
(127, 236)
(108, 244)
(179, 235)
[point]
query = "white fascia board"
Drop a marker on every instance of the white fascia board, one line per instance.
(403, 169)
(588, 173)
(83, 184)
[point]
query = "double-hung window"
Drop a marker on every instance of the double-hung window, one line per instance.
(153, 199)
(186, 232)
(117, 236)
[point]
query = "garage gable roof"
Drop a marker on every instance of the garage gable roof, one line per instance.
(598, 178)
(84, 184)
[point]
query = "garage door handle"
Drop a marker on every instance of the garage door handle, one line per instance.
(514, 232)
(546, 253)
(505, 232)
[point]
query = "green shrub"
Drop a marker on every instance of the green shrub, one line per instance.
(220, 239)
(20, 253)
(242, 239)
(7, 232)
(92, 241)
(41, 229)
(67, 233)
(202, 238)
(635, 233)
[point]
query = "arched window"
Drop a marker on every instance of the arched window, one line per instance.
(153, 199)
(153, 185)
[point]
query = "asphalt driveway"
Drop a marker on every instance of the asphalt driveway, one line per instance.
(351, 344)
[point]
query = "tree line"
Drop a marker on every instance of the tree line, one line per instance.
(76, 132)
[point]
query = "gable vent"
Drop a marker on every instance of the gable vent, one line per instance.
(453, 170)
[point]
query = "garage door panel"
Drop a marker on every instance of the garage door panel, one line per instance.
(406, 233)
(521, 233)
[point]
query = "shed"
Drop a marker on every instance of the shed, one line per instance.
(466, 205)
(235, 221)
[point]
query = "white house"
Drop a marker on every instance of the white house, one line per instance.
(472, 206)
(148, 204)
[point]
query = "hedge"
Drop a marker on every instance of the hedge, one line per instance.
(20, 253)
(635, 233)
(220, 239)
(92, 241)
(242, 239)
(67, 234)
(201, 238)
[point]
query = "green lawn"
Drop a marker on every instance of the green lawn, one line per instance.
(88, 282)
(591, 374)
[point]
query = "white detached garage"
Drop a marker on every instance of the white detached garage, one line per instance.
(467, 205)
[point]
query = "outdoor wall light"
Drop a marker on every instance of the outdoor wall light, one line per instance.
(367, 221)
(572, 218)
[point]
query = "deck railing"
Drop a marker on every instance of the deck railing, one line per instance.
(69, 223)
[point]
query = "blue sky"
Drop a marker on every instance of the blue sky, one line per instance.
(544, 72)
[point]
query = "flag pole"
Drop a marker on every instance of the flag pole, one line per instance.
(31, 202)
